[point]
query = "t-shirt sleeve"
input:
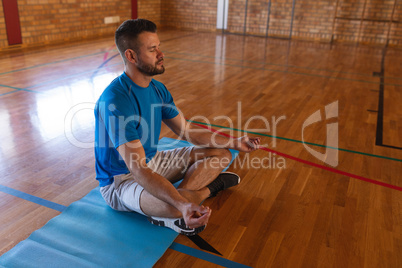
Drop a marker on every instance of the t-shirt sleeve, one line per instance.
(169, 109)
(119, 119)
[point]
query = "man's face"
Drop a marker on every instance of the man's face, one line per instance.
(149, 56)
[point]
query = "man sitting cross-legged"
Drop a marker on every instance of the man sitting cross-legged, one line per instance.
(132, 174)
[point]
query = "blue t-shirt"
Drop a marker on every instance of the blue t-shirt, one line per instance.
(126, 112)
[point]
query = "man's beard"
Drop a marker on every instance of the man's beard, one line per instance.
(150, 70)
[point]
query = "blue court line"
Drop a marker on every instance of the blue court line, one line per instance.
(103, 64)
(178, 247)
(32, 198)
(206, 256)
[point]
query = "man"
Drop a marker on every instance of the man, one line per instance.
(132, 174)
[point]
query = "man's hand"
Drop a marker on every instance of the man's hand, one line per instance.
(195, 216)
(246, 144)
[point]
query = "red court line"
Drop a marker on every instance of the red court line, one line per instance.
(394, 187)
(107, 52)
(106, 55)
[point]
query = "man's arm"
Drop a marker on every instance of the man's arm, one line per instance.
(134, 156)
(206, 138)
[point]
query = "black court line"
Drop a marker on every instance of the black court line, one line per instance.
(283, 71)
(202, 244)
(206, 256)
(280, 65)
(379, 140)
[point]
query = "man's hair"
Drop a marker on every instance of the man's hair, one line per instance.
(126, 36)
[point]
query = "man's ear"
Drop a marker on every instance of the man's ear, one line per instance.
(130, 55)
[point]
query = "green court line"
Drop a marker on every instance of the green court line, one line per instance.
(55, 62)
(10, 92)
(288, 72)
(293, 140)
(22, 89)
(17, 88)
(282, 65)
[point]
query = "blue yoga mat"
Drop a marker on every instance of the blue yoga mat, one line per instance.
(90, 234)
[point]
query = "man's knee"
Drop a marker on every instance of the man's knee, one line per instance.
(220, 158)
(221, 152)
(206, 153)
(226, 153)
(225, 157)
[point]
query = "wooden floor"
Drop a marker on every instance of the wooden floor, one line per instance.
(285, 213)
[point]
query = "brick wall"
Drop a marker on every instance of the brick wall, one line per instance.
(395, 37)
(364, 21)
(280, 18)
(380, 10)
(346, 30)
(150, 9)
(236, 16)
(189, 14)
(368, 21)
(313, 19)
(44, 21)
(257, 15)
(51, 21)
(3, 32)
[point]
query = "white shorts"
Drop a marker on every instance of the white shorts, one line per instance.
(124, 193)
